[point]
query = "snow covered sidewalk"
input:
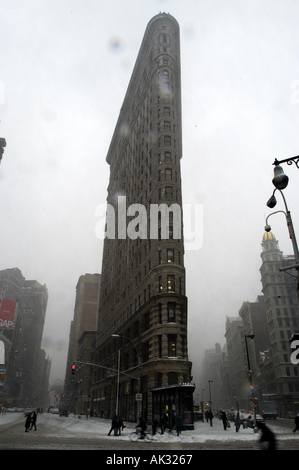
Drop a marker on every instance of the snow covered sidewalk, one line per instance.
(72, 426)
(97, 427)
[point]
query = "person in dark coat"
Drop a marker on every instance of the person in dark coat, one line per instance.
(33, 420)
(114, 426)
(142, 426)
(237, 422)
(27, 422)
(178, 424)
(296, 423)
(224, 420)
(267, 436)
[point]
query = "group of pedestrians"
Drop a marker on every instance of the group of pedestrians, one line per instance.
(30, 421)
(117, 426)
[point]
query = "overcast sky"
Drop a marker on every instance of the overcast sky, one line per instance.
(64, 69)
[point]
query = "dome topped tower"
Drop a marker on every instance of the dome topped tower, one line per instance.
(268, 236)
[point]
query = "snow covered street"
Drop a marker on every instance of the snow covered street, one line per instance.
(73, 429)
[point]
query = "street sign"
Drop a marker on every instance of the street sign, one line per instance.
(138, 396)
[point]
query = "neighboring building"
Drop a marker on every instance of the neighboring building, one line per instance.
(26, 365)
(85, 320)
(84, 374)
(254, 319)
(237, 361)
(143, 297)
(282, 313)
(211, 372)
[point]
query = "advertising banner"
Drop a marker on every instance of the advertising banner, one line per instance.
(7, 313)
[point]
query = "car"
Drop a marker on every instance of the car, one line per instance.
(250, 420)
(291, 415)
(27, 411)
(54, 411)
(64, 413)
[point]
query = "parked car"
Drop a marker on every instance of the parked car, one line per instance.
(54, 411)
(64, 413)
(291, 415)
(250, 420)
(27, 411)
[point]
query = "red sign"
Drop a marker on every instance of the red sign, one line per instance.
(7, 313)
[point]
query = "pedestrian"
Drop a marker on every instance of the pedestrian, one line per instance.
(178, 424)
(162, 424)
(210, 417)
(224, 419)
(154, 426)
(33, 420)
(296, 423)
(114, 425)
(120, 423)
(237, 422)
(142, 426)
(27, 422)
(267, 436)
(207, 416)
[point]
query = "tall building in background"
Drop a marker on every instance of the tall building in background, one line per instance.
(281, 302)
(27, 367)
(142, 324)
(84, 322)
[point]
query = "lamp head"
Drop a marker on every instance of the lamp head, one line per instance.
(267, 228)
(272, 202)
(280, 180)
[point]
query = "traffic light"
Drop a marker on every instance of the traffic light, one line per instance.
(73, 368)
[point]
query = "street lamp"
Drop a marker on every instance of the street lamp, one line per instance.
(280, 181)
(249, 374)
(139, 367)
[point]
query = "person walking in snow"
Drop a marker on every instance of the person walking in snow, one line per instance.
(178, 424)
(224, 420)
(267, 437)
(33, 420)
(27, 422)
(296, 423)
(237, 422)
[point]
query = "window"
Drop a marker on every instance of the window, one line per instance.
(168, 174)
(146, 321)
(167, 126)
(160, 346)
(168, 192)
(160, 312)
(160, 284)
(170, 283)
(167, 140)
(170, 255)
(171, 312)
(166, 112)
(171, 345)
(167, 157)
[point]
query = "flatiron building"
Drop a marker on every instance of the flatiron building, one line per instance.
(142, 320)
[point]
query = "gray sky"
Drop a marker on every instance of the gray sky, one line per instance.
(62, 84)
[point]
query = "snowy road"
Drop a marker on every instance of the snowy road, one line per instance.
(54, 432)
